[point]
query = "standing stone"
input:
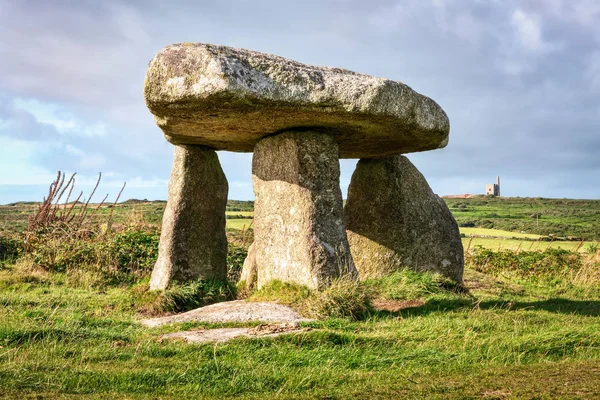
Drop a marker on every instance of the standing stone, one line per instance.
(248, 275)
(299, 230)
(394, 220)
(193, 243)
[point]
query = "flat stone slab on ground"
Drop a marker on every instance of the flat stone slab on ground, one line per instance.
(228, 99)
(232, 311)
(226, 334)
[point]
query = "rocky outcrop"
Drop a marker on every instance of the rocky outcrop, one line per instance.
(193, 244)
(299, 230)
(394, 220)
(228, 99)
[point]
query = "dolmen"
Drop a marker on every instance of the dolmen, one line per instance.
(298, 120)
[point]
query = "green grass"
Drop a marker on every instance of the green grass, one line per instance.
(497, 233)
(239, 224)
(13, 217)
(515, 244)
(236, 213)
(526, 326)
(559, 217)
(536, 216)
(504, 338)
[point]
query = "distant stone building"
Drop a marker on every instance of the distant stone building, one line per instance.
(493, 188)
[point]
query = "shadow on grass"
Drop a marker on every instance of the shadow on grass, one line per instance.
(587, 308)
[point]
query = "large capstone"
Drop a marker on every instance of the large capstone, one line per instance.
(229, 99)
(193, 244)
(299, 230)
(395, 221)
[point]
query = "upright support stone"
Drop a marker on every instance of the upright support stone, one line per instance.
(299, 229)
(395, 220)
(193, 243)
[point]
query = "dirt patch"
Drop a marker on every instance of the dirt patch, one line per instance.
(395, 305)
(225, 334)
(232, 311)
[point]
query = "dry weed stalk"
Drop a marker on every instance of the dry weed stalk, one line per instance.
(64, 219)
(245, 233)
(469, 245)
(112, 209)
(579, 246)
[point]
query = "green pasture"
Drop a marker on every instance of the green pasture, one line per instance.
(502, 339)
(558, 217)
(239, 224)
(524, 325)
(496, 233)
(535, 216)
(515, 244)
(243, 213)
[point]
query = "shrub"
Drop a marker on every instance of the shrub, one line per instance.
(344, 298)
(134, 251)
(236, 254)
(288, 293)
(70, 237)
(589, 274)
(120, 257)
(10, 249)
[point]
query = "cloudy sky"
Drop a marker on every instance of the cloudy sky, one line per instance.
(520, 81)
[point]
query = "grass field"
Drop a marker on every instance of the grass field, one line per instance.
(570, 215)
(242, 213)
(239, 224)
(559, 217)
(504, 339)
(535, 216)
(496, 233)
(530, 330)
(484, 237)
(515, 244)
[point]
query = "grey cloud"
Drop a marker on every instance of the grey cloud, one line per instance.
(524, 108)
(22, 125)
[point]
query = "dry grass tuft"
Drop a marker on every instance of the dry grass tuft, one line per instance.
(589, 273)
(344, 298)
